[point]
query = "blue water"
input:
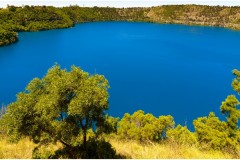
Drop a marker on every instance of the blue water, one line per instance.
(184, 71)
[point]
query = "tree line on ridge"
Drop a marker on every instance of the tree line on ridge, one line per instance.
(36, 18)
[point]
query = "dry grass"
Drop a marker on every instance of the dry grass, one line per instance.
(135, 150)
(22, 149)
(130, 149)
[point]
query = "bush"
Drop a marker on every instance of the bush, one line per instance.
(60, 107)
(212, 133)
(181, 135)
(95, 149)
(144, 127)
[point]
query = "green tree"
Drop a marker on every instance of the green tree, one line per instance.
(230, 110)
(61, 107)
(12, 8)
(108, 126)
(219, 134)
(3, 110)
(144, 127)
(211, 132)
(236, 81)
(7, 37)
(181, 135)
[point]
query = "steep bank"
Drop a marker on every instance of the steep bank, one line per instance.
(18, 19)
(228, 17)
(129, 149)
(36, 18)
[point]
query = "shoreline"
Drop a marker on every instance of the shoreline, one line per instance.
(39, 18)
(117, 3)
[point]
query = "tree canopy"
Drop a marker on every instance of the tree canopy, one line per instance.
(144, 127)
(36, 18)
(216, 134)
(181, 135)
(61, 107)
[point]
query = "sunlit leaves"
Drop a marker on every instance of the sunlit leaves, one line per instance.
(7, 37)
(229, 108)
(213, 133)
(182, 135)
(218, 134)
(143, 127)
(59, 106)
(236, 81)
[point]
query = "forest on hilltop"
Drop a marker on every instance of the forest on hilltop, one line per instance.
(36, 18)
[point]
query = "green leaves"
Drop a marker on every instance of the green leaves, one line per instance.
(59, 107)
(144, 127)
(236, 81)
(229, 108)
(211, 132)
(182, 135)
(216, 134)
(7, 37)
(16, 19)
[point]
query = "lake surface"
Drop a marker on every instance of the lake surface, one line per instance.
(184, 71)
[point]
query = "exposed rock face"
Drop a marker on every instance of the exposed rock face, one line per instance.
(197, 15)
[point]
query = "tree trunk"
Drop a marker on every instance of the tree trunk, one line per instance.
(85, 138)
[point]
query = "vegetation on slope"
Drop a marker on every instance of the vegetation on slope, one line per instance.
(228, 17)
(36, 18)
(15, 19)
(130, 149)
(7, 37)
(65, 113)
(135, 150)
(33, 18)
(61, 108)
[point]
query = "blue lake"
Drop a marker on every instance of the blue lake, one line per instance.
(184, 71)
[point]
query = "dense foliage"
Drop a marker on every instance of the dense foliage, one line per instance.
(7, 37)
(216, 134)
(36, 18)
(61, 107)
(144, 127)
(69, 108)
(197, 15)
(33, 18)
(181, 135)
(211, 132)
(14, 19)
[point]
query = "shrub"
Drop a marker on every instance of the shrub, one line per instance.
(181, 135)
(144, 127)
(60, 107)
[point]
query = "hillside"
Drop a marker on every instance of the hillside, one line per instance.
(36, 18)
(228, 17)
(129, 149)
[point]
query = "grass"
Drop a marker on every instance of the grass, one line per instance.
(22, 149)
(135, 150)
(130, 149)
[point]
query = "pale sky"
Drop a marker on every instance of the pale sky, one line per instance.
(116, 3)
